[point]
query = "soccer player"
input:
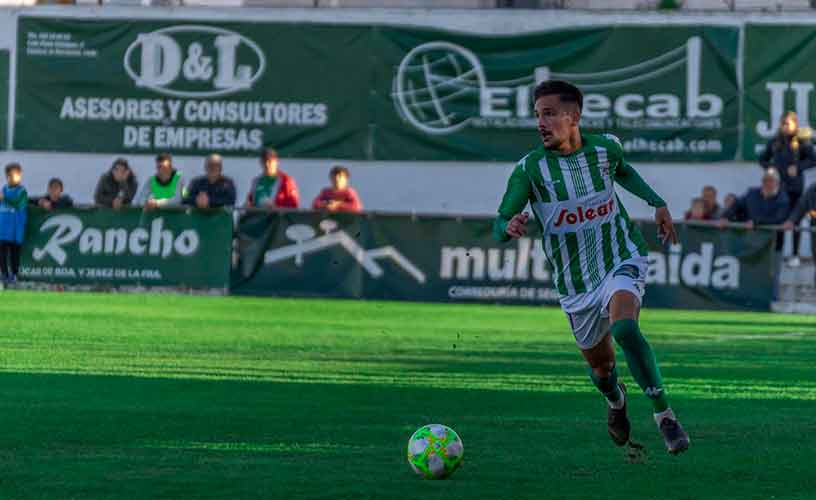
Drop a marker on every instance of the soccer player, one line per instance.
(598, 256)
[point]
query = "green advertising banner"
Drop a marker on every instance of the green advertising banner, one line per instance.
(142, 86)
(779, 76)
(468, 97)
(100, 247)
(366, 92)
(450, 259)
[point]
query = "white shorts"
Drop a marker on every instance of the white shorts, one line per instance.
(588, 313)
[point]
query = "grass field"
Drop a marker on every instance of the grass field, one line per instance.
(140, 396)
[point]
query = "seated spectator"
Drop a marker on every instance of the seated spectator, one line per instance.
(712, 208)
(273, 188)
(697, 210)
(55, 199)
(340, 197)
(790, 152)
(764, 205)
(211, 190)
(117, 187)
(165, 189)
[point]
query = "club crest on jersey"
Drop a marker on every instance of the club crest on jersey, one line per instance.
(582, 215)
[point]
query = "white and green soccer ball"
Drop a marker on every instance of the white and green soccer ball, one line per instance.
(435, 451)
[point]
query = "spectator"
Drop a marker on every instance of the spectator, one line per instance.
(712, 208)
(340, 197)
(13, 214)
(117, 187)
(697, 210)
(790, 153)
(806, 205)
(55, 199)
(273, 188)
(764, 205)
(728, 202)
(165, 189)
(212, 190)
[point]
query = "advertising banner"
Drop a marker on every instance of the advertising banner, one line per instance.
(128, 247)
(142, 86)
(469, 97)
(450, 259)
(779, 76)
(366, 92)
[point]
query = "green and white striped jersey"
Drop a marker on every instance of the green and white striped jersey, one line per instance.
(586, 231)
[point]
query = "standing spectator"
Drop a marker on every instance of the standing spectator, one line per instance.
(697, 210)
(712, 208)
(212, 190)
(13, 214)
(805, 206)
(764, 205)
(164, 189)
(790, 153)
(55, 199)
(273, 188)
(340, 197)
(117, 187)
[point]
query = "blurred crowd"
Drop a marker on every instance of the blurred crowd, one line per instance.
(780, 199)
(118, 187)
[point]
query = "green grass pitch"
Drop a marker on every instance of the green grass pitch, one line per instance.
(146, 396)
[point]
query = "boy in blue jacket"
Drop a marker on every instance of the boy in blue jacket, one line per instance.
(13, 213)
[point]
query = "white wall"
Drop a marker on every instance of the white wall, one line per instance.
(465, 188)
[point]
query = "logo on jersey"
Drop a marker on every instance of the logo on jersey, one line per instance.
(582, 214)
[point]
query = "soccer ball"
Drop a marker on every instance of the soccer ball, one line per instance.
(435, 451)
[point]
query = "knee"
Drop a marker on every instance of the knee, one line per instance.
(625, 331)
(603, 369)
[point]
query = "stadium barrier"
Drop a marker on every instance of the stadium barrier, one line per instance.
(367, 256)
(444, 258)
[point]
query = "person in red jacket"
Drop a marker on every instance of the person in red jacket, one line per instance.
(273, 188)
(340, 197)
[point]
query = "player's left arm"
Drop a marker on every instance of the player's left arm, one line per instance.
(631, 181)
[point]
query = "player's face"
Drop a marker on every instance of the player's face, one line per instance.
(555, 120)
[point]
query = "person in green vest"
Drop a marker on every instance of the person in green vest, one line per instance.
(165, 189)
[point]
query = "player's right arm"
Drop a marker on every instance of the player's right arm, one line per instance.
(510, 221)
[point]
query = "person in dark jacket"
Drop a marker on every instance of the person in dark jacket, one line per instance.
(790, 153)
(117, 187)
(805, 206)
(764, 205)
(212, 190)
(56, 199)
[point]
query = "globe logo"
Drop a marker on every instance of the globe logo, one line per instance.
(438, 86)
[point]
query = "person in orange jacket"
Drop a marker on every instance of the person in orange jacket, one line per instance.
(340, 197)
(273, 188)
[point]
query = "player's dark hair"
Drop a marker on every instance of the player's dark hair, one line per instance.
(337, 170)
(565, 91)
(164, 156)
(55, 181)
(13, 167)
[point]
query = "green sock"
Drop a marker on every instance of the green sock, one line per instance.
(641, 361)
(607, 385)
